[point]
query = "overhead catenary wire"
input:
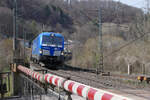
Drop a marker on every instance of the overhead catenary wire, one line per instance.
(85, 14)
(143, 34)
(117, 50)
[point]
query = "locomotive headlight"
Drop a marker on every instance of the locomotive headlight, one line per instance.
(62, 53)
(41, 51)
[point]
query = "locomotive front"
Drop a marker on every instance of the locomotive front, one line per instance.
(52, 47)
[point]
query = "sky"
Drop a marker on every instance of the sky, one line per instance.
(135, 3)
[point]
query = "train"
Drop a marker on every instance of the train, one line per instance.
(48, 47)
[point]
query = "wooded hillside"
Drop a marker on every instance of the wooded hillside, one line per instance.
(125, 29)
(58, 15)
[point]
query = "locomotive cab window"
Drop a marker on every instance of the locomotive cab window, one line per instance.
(52, 40)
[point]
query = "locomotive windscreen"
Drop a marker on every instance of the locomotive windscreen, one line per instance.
(52, 40)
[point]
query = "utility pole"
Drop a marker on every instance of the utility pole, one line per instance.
(24, 43)
(16, 79)
(100, 67)
(68, 2)
(118, 6)
(148, 4)
(14, 27)
(118, 9)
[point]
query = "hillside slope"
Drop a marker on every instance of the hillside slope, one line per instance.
(58, 16)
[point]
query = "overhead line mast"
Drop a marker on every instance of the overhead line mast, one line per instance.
(147, 4)
(100, 67)
(14, 27)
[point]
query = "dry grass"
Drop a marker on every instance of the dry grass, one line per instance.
(136, 54)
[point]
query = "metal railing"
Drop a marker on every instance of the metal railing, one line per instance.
(70, 87)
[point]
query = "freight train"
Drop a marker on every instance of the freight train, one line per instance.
(48, 47)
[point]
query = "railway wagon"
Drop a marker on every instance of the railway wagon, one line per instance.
(48, 47)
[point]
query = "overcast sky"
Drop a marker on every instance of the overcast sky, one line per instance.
(136, 3)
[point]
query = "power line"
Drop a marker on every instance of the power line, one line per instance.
(85, 14)
(117, 50)
(139, 31)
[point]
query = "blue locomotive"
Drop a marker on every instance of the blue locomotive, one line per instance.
(48, 47)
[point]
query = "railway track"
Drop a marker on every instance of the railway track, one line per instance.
(78, 76)
(91, 79)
